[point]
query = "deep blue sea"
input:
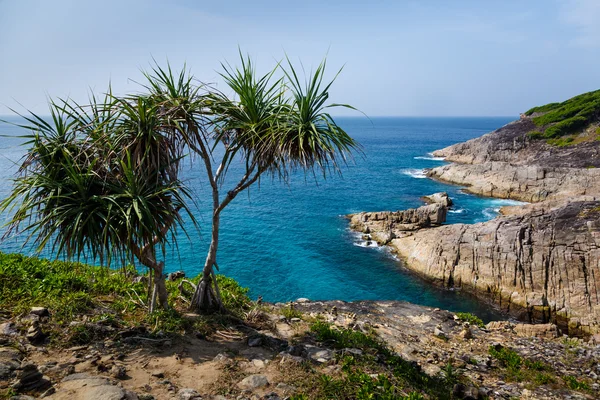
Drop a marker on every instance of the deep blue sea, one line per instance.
(290, 240)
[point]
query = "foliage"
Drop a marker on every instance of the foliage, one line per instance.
(470, 318)
(575, 384)
(67, 288)
(394, 375)
(72, 290)
(273, 126)
(519, 369)
(102, 180)
(343, 338)
(290, 312)
(561, 141)
(570, 116)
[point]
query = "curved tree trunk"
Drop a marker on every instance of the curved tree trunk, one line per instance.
(206, 298)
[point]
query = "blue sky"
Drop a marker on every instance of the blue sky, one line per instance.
(415, 58)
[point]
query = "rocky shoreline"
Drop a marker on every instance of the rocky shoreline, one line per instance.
(541, 261)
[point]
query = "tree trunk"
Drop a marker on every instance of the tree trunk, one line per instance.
(160, 287)
(206, 298)
(159, 291)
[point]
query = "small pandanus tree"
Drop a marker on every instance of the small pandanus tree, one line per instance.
(101, 181)
(271, 126)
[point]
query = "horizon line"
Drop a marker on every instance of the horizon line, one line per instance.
(356, 116)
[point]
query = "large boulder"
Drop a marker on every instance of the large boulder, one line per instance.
(385, 226)
(438, 198)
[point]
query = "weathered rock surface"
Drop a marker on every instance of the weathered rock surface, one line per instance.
(510, 144)
(544, 266)
(430, 340)
(506, 163)
(387, 225)
(540, 261)
(439, 198)
(526, 183)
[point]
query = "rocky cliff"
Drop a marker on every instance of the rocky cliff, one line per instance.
(540, 261)
(507, 163)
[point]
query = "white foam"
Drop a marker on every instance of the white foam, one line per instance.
(507, 202)
(459, 211)
(415, 173)
(366, 243)
(430, 158)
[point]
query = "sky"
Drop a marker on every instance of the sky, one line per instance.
(399, 58)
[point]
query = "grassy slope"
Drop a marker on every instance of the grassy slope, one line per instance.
(558, 120)
(73, 290)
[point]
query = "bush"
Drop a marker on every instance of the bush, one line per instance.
(570, 116)
(566, 127)
(470, 318)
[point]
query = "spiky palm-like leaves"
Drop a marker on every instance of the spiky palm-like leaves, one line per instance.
(273, 125)
(102, 181)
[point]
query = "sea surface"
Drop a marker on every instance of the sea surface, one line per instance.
(286, 240)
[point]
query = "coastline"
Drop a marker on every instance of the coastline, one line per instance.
(538, 262)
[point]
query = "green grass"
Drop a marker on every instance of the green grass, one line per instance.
(470, 318)
(290, 312)
(520, 369)
(575, 384)
(343, 338)
(561, 119)
(395, 378)
(108, 298)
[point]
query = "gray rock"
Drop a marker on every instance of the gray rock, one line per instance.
(188, 394)
(439, 333)
(285, 388)
(40, 311)
(29, 378)
(8, 329)
(253, 382)
(302, 300)
(118, 372)
(255, 341)
(35, 335)
(85, 386)
(222, 357)
(173, 276)
(439, 198)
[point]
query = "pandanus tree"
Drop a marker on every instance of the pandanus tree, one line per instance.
(271, 126)
(101, 181)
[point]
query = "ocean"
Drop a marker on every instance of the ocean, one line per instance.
(286, 240)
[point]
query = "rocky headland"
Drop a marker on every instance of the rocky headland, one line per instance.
(540, 261)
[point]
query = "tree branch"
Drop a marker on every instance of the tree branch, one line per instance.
(242, 185)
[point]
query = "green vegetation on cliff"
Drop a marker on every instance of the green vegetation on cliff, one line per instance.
(561, 119)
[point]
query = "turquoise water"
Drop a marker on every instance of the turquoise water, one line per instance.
(286, 241)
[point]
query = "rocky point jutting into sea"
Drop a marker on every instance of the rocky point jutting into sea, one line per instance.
(540, 261)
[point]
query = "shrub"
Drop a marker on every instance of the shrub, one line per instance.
(570, 116)
(470, 318)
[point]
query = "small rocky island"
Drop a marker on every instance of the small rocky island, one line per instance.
(540, 261)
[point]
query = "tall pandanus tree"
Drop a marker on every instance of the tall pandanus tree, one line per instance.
(101, 182)
(272, 126)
